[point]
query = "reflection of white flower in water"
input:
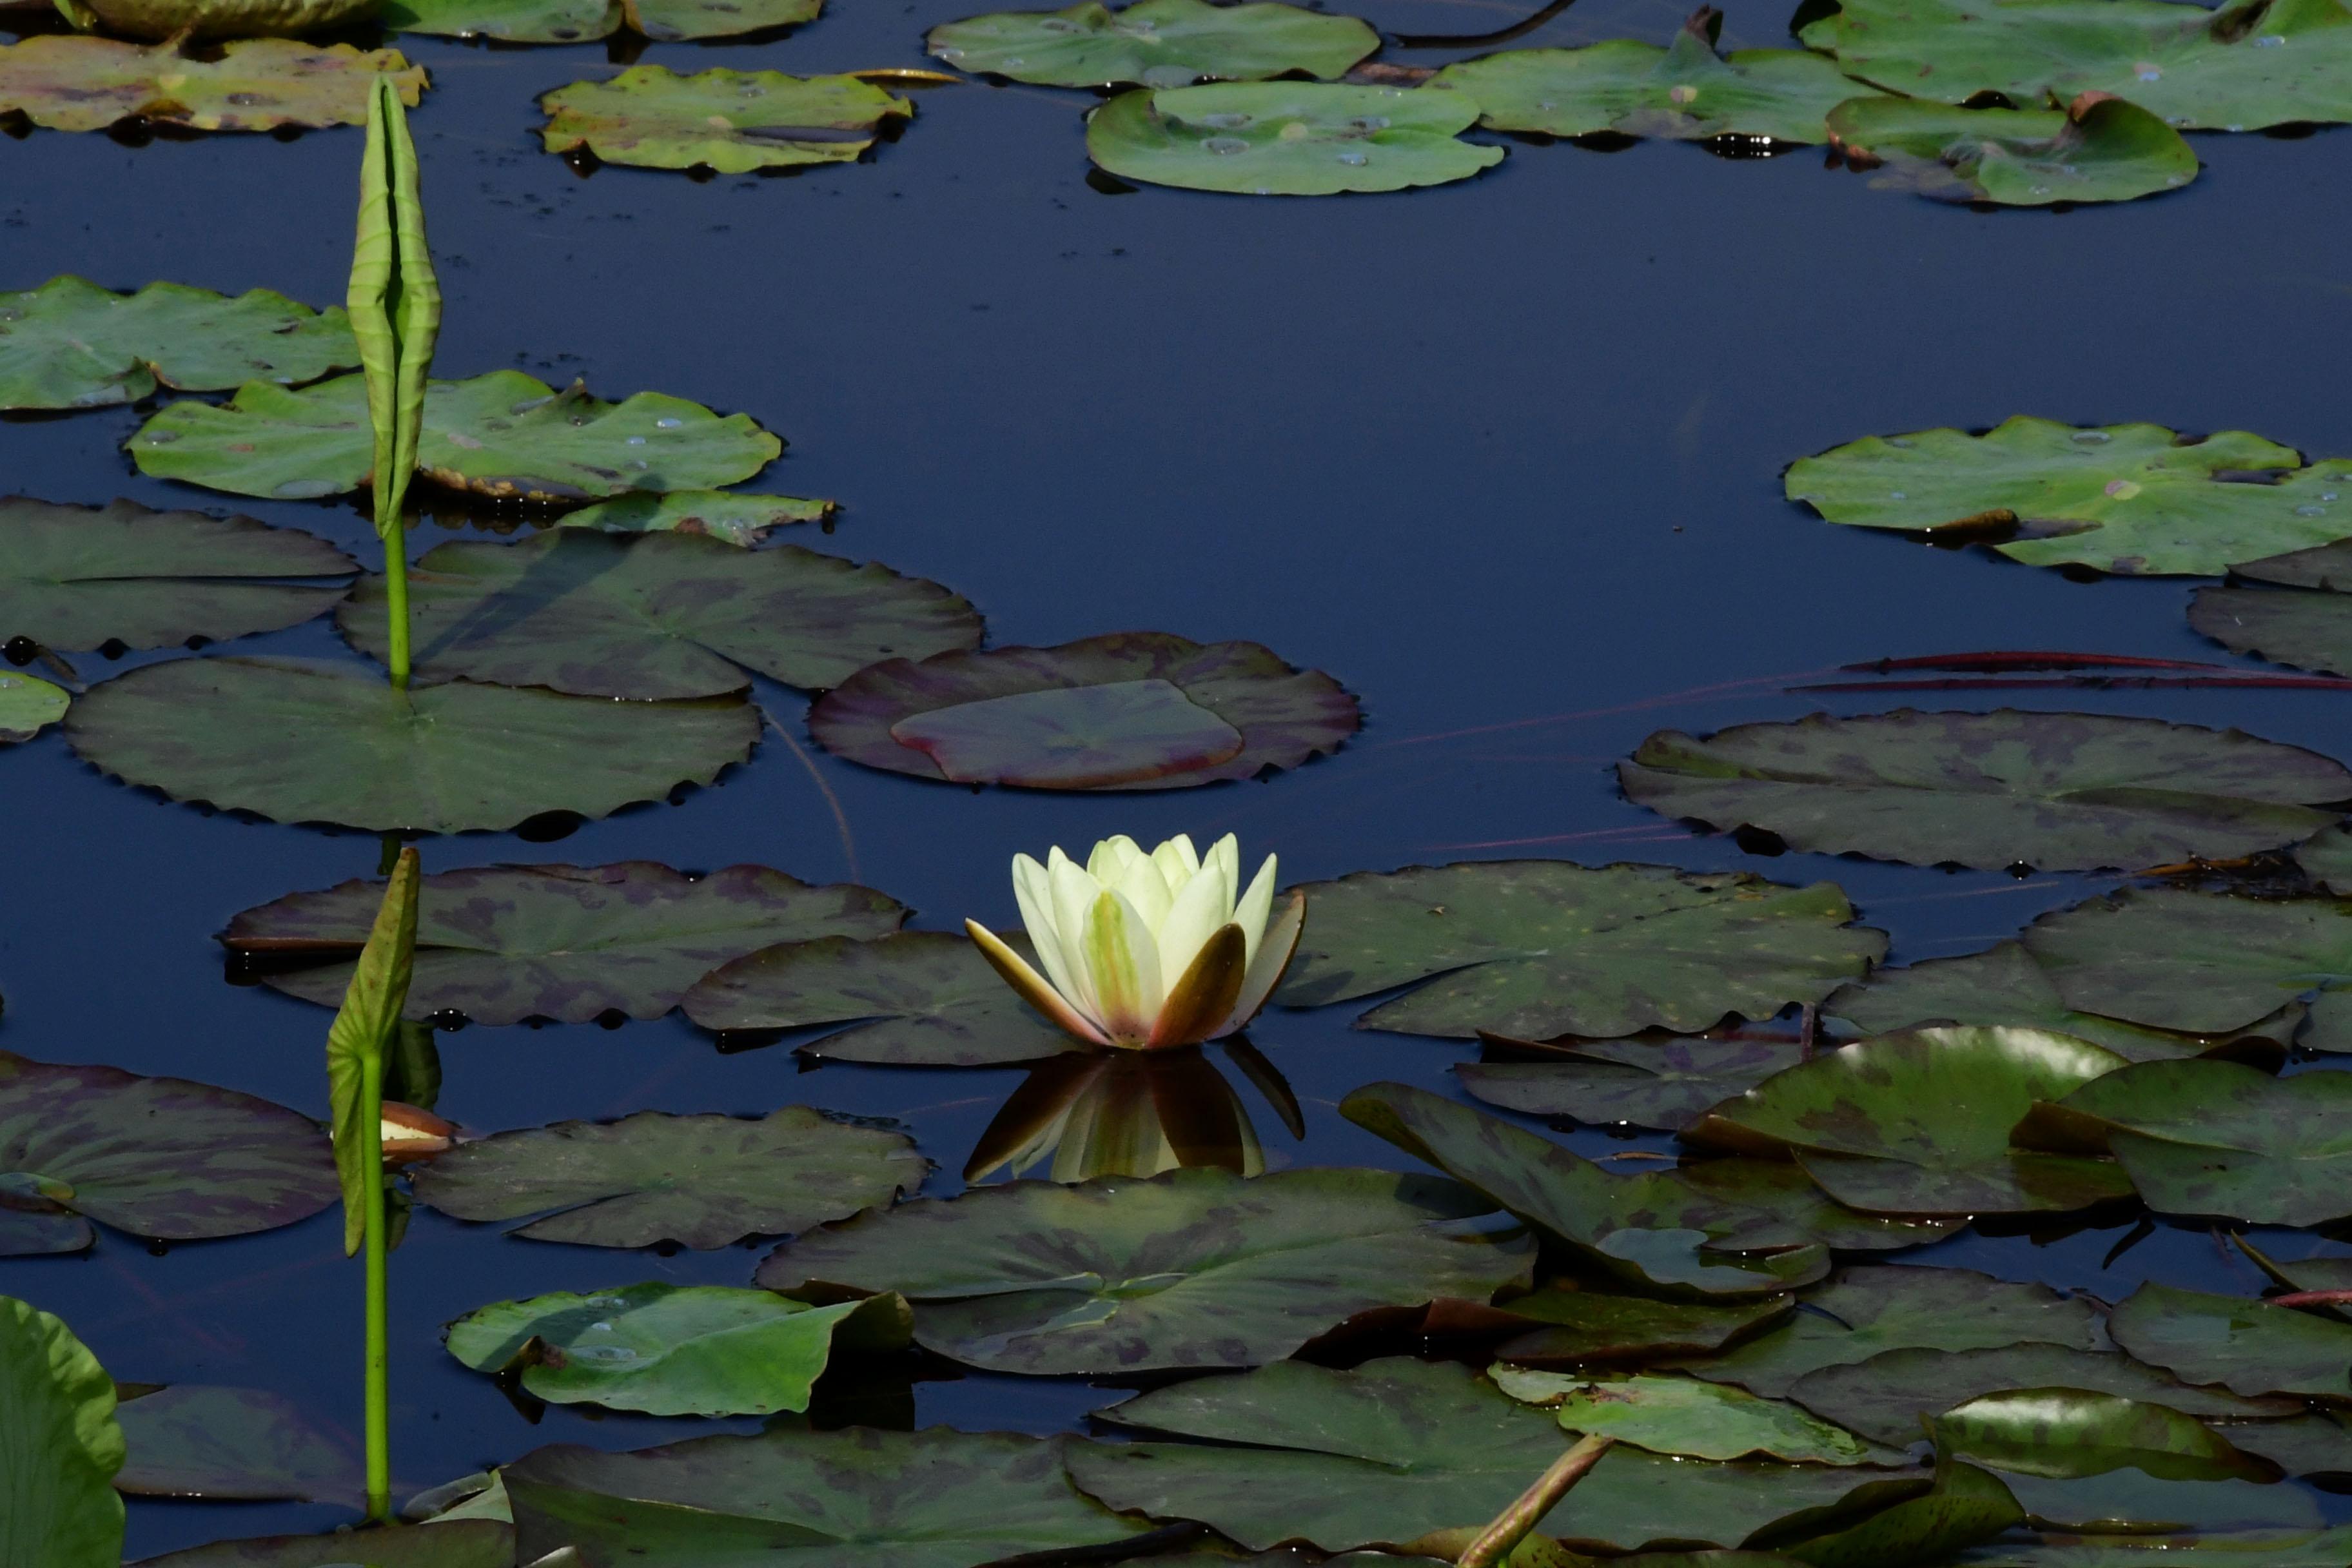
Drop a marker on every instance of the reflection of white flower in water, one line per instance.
(1147, 950)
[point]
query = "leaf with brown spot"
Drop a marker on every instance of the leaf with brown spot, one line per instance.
(76, 82)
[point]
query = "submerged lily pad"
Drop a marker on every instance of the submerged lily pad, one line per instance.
(72, 344)
(1288, 139)
(505, 435)
(2101, 150)
(577, 21)
(670, 1350)
(2055, 791)
(704, 1181)
(1539, 948)
(1132, 711)
(661, 614)
(1158, 43)
(1665, 1084)
(59, 1445)
(77, 82)
(159, 1157)
(460, 1543)
(2242, 67)
(936, 1499)
(502, 943)
(192, 1440)
(1192, 1268)
(436, 759)
(732, 122)
(79, 577)
(1669, 1415)
(913, 999)
(2134, 499)
(28, 706)
(2248, 1347)
(730, 515)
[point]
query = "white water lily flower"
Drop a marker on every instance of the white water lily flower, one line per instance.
(1144, 950)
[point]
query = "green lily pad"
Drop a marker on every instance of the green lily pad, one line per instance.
(77, 82)
(936, 1499)
(460, 1544)
(2309, 631)
(1685, 91)
(2129, 1501)
(914, 999)
(1582, 1327)
(440, 759)
(72, 344)
(1288, 139)
(657, 616)
(191, 1440)
(732, 122)
(59, 1446)
(2248, 1347)
(1866, 1309)
(1918, 1122)
(1132, 711)
(1158, 43)
(1886, 1397)
(1899, 1521)
(1665, 1084)
(2328, 567)
(2215, 1138)
(2240, 68)
(2134, 499)
(28, 706)
(159, 1157)
(504, 435)
(669, 1349)
(1192, 1268)
(1800, 1210)
(1670, 1414)
(704, 1181)
(2270, 1548)
(2054, 791)
(577, 21)
(2318, 1442)
(2103, 150)
(502, 943)
(79, 577)
(1399, 1449)
(730, 515)
(1540, 948)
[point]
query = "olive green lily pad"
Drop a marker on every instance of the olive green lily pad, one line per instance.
(656, 615)
(670, 1350)
(59, 1446)
(1131, 710)
(1670, 1414)
(2309, 631)
(1918, 1122)
(75, 82)
(2134, 499)
(2129, 1501)
(1866, 1309)
(732, 122)
(703, 1181)
(2240, 66)
(2101, 150)
(2248, 1347)
(1192, 1268)
(72, 344)
(1886, 1397)
(439, 759)
(460, 1543)
(505, 435)
(213, 19)
(79, 577)
(1540, 948)
(1581, 1327)
(577, 21)
(194, 1440)
(2054, 791)
(28, 706)
(159, 1157)
(1665, 1084)
(1685, 91)
(914, 999)
(2316, 1442)
(1399, 1449)
(1158, 43)
(1899, 1521)
(936, 1499)
(2328, 567)
(502, 943)
(730, 515)
(1288, 139)
(1798, 1210)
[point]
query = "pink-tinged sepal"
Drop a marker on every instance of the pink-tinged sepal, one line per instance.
(1032, 987)
(1205, 997)
(1275, 952)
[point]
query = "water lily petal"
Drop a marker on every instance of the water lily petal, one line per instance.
(1122, 963)
(1273, 955)
(1074, 894)
(1032, 987)
(1202, 1000)
(1177, 862)
(1256, 905)
(1226, 854)
(1206, 903)
(1032, 889)
(1141, 885)
(1111, 857)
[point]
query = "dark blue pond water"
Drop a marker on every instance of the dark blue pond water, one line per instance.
(1502, 456)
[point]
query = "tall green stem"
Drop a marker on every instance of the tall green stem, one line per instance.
(395, 600)
(378, 1411)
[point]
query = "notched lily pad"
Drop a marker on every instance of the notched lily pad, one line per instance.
(730, 515)
(1157, 43)
(2311, 630)
(732, 122)
(1131, 710)
(28, 706)
(578, 21)
(72, 344)
(1288, 139)
(1662, 1083)
(1669, 1415)
(2100, 148)
(80, 82)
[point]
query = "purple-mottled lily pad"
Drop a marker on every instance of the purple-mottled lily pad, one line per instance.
(502, 943)
(460, 1544)
(158, 1157)
(194, 1440)
(1132, 711)
(1663, 1083)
